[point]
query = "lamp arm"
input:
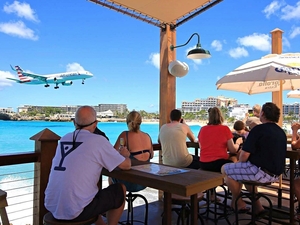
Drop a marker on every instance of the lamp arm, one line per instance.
(178, 46)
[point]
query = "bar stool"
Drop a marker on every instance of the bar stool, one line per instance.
(218, 214)
(254, 197)
(50, 220)
(3, 204)
(184, 211)
(130, 197)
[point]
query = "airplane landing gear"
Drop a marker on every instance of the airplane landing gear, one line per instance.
(56, 87)
(82, 81)
(47, 85)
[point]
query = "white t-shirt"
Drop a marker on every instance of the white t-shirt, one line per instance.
(75, 173)
(172, 137)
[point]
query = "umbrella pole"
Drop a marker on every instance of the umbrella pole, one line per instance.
(277, 96)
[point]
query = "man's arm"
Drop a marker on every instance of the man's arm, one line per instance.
(189, 133)
(244, 156)
(295, 138)
(126, 164)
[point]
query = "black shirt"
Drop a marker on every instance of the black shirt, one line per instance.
(267, 145)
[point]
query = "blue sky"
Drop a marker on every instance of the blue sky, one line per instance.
(123, 53)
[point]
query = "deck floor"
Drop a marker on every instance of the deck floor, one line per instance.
(156, 207)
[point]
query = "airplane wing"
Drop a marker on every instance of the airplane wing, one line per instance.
(16, 80)
(36, 76)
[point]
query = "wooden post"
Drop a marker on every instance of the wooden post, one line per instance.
(45, 143)
(167, 93)
(167, 81)
(277, 49)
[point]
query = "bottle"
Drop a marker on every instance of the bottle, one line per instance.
(121, 143)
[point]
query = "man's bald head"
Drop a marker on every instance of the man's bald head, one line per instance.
(85, 117)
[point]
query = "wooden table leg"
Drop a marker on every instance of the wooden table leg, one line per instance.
(194, 206)
(167, 218)
(292, 190)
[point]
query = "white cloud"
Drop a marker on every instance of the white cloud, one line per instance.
(285, 42)
(3, 80)
(295, 32)
(217, 45)
(22, 10)
(18, 29)
(291, 12)
(272, 8)
(260, 42)
(238, 52)
(74, 67)
(154, 59)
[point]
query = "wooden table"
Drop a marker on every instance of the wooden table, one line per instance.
(185, 184)
(293, 155)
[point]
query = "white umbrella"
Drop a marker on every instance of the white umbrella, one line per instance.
(294, 94)
(271, 73)
(264, 75)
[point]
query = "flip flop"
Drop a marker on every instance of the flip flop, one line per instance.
(262, 214)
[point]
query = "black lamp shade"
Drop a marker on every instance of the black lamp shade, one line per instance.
(198, 53)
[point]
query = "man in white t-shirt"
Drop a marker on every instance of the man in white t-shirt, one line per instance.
(172, 137)
(72, 192)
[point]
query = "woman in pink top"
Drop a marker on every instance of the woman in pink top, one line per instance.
(215, 140)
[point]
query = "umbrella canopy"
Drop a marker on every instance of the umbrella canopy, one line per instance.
(294, 94)
(264, 75)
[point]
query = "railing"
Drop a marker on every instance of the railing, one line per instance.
(45, 146)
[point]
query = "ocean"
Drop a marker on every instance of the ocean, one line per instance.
(15, 137)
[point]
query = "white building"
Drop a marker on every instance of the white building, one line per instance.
(238, 112)
(107, 113)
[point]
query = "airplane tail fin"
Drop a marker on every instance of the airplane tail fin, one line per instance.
(22, 78)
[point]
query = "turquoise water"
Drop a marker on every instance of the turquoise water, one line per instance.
(15, 137)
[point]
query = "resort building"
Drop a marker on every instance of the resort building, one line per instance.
(205, 104)
(6, 110)
(291, 109)
(116, 108)
(103, 110)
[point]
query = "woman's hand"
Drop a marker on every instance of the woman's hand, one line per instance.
(295, 126)
(239, 141)
(124, 151)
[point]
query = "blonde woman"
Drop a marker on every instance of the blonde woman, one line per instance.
(138, 143)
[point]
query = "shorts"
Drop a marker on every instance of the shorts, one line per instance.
(248, 171)
(106, 199)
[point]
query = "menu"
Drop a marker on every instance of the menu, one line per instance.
(157, 169)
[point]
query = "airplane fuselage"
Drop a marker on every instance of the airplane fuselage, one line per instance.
(65, 78)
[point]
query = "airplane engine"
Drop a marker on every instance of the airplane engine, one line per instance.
(67, 83)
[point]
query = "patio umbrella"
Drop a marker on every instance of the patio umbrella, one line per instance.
(271, 73)
(294, 94)
(264, 75)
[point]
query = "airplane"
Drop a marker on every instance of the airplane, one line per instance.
(59, 78)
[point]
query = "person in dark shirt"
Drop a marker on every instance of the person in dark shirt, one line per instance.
(262, 157)
(98, 131)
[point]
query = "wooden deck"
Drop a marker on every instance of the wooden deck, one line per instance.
(280, 215)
